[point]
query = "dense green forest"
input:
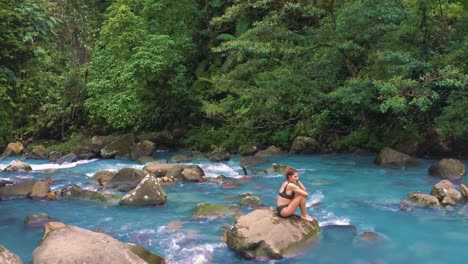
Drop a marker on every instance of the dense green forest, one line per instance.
(351, 74)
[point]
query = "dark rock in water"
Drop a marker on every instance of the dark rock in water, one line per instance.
(4, 183)
(249, 161)
(69, 158)
(38, 220)
(304, 145)
(70, 244)
(54, 156)
(7, 257)
(251, 201)
(125, 179)
(338, 234)
(103, 176)
(262, 234)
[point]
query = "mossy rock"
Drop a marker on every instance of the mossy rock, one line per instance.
(145, 254)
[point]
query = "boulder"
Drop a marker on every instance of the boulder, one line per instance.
(270, 151)
(422, 200)
(7, 257)
(120, 148)
(5, 183)
(262, 234)
(196, 168)
(180, 158)
(394, 159)
(148, 192)
(191, 176)
(71, 244)
(445, 188)
(103, 176)
(146, 147)
(125, 179)
(76, 192)
(99, 142)
(40, 190)
(304, 145)
(18, 165)
(17, 189)
(214, 211)
(13, 148)
(69, 158)
(157, 169)
(249, 161)
(219, 155)
(447, 169)
(54, 156)
(37, 220)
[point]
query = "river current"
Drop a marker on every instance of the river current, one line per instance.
(349, 196)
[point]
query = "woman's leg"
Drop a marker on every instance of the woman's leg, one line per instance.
(292, 206)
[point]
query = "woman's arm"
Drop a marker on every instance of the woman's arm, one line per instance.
(301, 186)
(298, 190)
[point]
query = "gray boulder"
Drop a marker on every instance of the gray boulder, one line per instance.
(70, 244)
(18, 165)
(157, 169)
(180, 158)
(448, 169)
(125, 179)
(304, 145)
(275, 168)
(76, 192)
(148, 192)
(392, 158)
(7, 257)
(120, 148)
(69, 158)
(262, 234)
(17, 189)
(191, 175)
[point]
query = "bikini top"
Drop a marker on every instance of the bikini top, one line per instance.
(286, 196)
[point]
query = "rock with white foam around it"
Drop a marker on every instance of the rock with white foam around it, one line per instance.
(148, 192)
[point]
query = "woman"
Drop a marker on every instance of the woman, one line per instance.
(291, 196)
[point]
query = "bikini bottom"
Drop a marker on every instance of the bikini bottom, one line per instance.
(279, 208)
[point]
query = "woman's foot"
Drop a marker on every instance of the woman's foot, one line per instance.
(308, 218)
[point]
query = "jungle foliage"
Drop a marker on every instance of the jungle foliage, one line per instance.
(351, 74)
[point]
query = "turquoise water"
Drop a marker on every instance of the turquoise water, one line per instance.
(345, 190)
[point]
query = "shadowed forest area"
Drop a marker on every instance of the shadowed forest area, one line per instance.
(360, 74)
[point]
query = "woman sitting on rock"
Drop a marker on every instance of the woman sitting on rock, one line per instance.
(291, 196)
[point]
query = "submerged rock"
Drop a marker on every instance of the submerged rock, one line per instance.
(7, 257)
(70, 244)
(392, 158)
(215, 211)
(369, 239)
(448, 169)
(148, 192)
(262, 234)
(38, 220)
